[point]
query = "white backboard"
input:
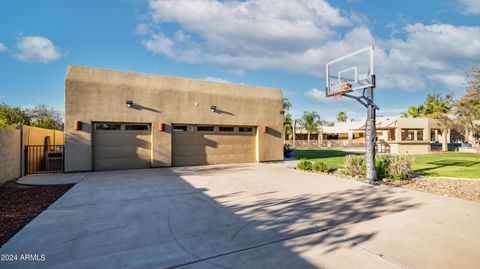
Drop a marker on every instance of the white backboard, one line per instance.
(350, 72)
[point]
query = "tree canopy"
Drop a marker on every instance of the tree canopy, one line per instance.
(310, 121)
(10, 116)
(462, 114)
(436, 106)
(287, 118)
(467, 108)
(342, 116)
(41, 116)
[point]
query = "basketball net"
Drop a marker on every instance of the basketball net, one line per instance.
(339, 87)
(338, 95)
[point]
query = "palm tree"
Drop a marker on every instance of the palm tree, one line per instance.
(286, 104)
(342, 116)
(438, 107)
(310, 121)
(287, 118)
(414, 112)
(287, 125)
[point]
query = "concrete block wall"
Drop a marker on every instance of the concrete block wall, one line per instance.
(10, 154)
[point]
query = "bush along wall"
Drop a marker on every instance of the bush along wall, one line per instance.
(316, 166)
(388, 167)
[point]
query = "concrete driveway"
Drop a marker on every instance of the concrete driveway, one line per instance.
(247, 216)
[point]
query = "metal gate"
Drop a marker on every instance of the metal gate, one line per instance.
(44, 159)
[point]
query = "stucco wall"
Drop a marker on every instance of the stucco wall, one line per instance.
(10, 154)
(418, 147)
(36, 136)
(96, 95)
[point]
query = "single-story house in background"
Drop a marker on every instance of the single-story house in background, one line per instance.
(123, 120)
(395, 135)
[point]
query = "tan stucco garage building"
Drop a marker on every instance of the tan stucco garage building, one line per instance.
(123, 120)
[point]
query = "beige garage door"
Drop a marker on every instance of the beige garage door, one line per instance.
(121, 146)
(199, 145)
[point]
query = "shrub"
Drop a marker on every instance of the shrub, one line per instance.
(305, 165)
(400, 167)
(382, 164)
(319, 166)
(354, 165)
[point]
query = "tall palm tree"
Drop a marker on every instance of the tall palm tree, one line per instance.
(438, 107)
(342, 116)
(287, 125)
(287, 118)
(286, 104)
(310, 121)
(414, 112)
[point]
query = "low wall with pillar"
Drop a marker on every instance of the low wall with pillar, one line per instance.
(10, 159)
(409, 147)
(325, 143)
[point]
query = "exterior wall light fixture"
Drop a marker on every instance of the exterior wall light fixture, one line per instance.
(129, 103)
(77, 125)
(213, 108)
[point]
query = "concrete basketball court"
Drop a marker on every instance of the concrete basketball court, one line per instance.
(247, 216)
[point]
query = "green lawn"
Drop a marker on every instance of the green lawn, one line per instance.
(332, 158)
(449, 164)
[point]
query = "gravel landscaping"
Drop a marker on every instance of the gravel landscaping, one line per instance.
(468, 189)
(458, 188)
(19, 204)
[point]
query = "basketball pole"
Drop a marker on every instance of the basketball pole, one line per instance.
(366, 99)
(370, 139)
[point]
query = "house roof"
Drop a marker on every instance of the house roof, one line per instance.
(382, 123)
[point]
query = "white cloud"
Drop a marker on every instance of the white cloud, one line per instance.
(430, 56)
(3, 47)
(302, 35)
(318, 95)
(37, 49)
(214, 79)
(179, 47)
(469, 7)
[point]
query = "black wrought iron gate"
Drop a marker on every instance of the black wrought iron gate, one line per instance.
(44, 159)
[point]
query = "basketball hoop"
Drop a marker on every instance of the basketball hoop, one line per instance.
(350, 73)
(337, 94)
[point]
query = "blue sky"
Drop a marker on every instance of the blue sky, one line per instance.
(421, 46)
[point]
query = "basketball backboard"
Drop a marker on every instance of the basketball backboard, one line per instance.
(350, 72)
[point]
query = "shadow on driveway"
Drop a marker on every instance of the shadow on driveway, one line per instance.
(156, 218)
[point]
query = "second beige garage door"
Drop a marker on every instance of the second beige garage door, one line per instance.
(199, 145)
(119, 146)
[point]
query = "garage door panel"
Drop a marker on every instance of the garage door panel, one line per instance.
(121, 163)
(201, 148)
(192, 139)
(121, 138)
(219, 149)
(181, 160)
(121, 152)
(121, 149)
